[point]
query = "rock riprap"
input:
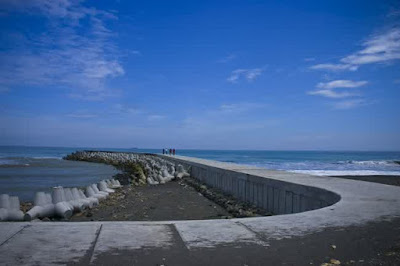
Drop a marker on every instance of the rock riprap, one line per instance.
(141, 168)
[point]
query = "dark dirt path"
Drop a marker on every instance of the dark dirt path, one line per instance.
(171, 201)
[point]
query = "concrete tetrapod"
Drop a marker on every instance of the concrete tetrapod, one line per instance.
(97, 191)
(103, 187)
(4, 206)
(108, 182)
(92, 194)
(115, 183)
(10, 208)
(94, 201)
(43, 207)
(77, 196)
(167, 176)
(151, 181)
(181, 172)
(76, 203)
(61, 208)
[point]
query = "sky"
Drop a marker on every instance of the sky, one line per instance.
(265, 75)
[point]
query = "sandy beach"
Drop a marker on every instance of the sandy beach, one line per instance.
(382, 179)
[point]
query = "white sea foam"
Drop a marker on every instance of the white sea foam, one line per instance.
(8, 162)
(345, 172)
(372, 163)
(47, 157)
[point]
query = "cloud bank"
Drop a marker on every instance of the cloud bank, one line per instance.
(73, 50)
(247, 74)
(383, 47)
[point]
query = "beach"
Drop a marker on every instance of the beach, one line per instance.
(382, 179)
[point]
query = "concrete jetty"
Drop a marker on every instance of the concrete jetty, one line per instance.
(319, 220)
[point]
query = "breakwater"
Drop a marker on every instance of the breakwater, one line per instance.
(138, 168)
(274, 196)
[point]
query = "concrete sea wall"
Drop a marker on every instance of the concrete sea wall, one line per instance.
(275, 196)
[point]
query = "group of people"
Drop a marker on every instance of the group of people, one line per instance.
(168, 151)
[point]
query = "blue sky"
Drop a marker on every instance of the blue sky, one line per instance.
(201, 74)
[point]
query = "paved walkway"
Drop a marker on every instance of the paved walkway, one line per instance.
(362, 227)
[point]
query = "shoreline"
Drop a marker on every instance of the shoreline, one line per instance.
(142, 201)
(381, 179)
(362, 229)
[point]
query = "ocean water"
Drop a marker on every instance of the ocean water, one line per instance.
(24, 170)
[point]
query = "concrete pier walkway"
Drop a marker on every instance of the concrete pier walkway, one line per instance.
(362, 227)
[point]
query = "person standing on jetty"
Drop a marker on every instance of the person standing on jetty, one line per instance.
(173, 152)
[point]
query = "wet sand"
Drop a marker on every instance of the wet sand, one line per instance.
(382, 179)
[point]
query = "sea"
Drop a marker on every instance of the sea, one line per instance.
(25, 170)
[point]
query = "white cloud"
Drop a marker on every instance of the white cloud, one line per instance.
(123, 109)
(227, 58)
(331, 94)
(66, 53)
(135, 52)
(327, 88)
(341, 84)
(378, 48)
(349, 104)
(248, 74)
(240, 107)
(155, 117)
(334, 67)
(81, 115)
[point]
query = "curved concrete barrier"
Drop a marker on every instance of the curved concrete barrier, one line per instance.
(275, 196)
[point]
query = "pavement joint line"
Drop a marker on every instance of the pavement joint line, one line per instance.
(258, 235)
(182, 242)
(93, 247)
(5, 241)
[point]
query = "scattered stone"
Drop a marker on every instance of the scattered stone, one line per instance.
(138, 169)
(335, 262)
